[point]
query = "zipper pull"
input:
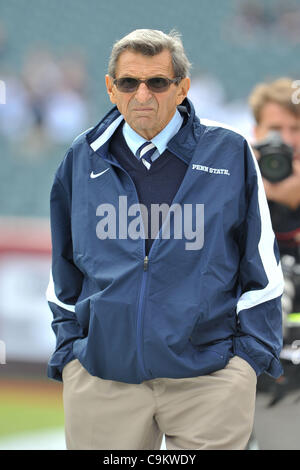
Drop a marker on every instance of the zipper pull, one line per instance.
(146, 261)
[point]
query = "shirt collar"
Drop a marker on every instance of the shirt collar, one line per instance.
(134, 140)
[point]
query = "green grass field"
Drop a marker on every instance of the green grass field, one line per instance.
(29, 406)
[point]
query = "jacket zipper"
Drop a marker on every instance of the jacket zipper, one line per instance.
(139, 328)
(140, 316)
(139, 324)
(140, 307)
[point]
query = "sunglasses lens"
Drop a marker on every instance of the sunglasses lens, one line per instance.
(130, 84)
(127, 84)
(158, 84)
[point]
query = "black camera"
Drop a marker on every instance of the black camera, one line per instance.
(276, 157)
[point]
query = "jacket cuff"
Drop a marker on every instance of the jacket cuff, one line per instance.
(58, 362)
(258, 356)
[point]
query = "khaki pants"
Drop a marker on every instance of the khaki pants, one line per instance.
(215, 411)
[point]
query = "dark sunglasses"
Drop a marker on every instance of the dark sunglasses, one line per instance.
(155, 84)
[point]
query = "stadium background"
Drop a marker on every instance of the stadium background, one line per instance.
(53, 57)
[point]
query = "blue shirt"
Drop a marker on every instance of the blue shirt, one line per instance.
(134, 140)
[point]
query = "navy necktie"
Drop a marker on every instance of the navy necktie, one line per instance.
(145, 153)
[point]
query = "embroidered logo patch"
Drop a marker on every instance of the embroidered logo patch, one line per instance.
(207, 169)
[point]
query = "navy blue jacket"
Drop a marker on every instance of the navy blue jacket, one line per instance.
(179, 312)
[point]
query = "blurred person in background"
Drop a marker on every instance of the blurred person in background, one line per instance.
(273, 108)
(210, 101)
(46, 103)
(55, 94)
(153, 337)
(277, 148)
(277, 138)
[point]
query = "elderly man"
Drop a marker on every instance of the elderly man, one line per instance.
(165, 284)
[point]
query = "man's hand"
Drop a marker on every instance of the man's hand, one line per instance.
(287, 192)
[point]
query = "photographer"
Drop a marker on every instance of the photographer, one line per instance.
(277, 148)
(274, 110)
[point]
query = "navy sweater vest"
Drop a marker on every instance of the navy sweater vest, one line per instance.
(155, 186)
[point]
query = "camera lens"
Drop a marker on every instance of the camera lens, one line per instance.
(274, 167)
(276, 157)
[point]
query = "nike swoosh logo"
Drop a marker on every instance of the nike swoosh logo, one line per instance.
(95, 175)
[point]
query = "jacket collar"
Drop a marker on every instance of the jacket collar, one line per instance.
(182, 144)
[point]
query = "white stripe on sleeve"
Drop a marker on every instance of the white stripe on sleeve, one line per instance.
(273, 271)
(51, 296)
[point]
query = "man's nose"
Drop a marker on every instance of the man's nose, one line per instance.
(143, 93)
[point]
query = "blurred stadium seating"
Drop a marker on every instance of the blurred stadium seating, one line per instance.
(54, 57)
(53, 60)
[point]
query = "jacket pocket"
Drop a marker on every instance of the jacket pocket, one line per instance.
(109, 350)
(214, 356)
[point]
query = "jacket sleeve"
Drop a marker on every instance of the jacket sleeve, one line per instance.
(259, 314)
(65, 281)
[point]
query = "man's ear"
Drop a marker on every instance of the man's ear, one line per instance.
(183, 88)
(110, 88)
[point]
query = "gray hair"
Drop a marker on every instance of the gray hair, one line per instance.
(151, 42)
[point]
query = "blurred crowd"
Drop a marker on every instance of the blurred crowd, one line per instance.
(46, 102)
(276, 19)
(210, 101)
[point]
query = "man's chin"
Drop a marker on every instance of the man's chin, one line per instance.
(145, 129)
